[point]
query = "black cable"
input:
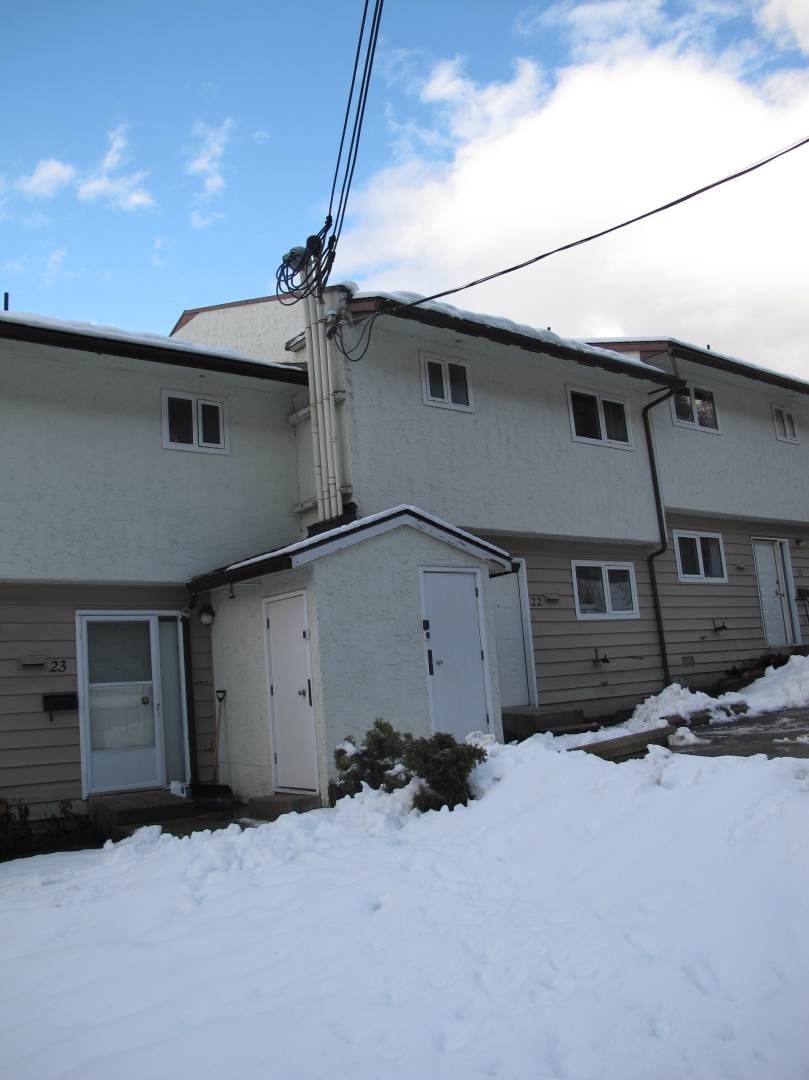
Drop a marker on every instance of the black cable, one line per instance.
(305, 271)
(585, 239)
(612, 228)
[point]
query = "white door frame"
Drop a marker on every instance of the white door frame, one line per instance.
(82, 680)
(793, 630)
(265, 602)
(423, 571)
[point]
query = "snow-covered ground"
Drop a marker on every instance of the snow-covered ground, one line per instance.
(580, 920)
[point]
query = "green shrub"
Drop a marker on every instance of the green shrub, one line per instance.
(389, 760)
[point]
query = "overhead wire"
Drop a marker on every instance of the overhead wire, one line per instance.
(573, 243)
(304, 271)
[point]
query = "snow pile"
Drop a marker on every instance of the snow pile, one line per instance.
(581, 920)
(785, 687)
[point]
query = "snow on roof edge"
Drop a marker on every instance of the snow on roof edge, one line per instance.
(668, 339)
(500, 323)
(141, 337)
(339, 530)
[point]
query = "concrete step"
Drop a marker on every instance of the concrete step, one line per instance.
(522, 721)
(270, 807)
(109, 813)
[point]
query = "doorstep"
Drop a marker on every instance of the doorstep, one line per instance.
(112, 814)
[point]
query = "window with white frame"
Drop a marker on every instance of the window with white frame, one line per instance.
(700, 556)
(598, 419)
(445, 382)
(785, 429)
(194, 422)
(605, 590)
(695, 407)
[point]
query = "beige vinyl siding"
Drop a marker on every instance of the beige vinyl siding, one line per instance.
(40, 759)
(568, 676)
(690, 610)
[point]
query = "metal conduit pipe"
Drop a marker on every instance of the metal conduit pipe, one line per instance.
(327, 388)
(311, 334)
(661, 523)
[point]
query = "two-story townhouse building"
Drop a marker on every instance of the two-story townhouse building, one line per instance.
(733, 466)
(646, 555)
(129, 463)
(533, 442)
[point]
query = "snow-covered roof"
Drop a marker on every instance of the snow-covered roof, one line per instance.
(577, 349)
(702, 354)
(315, 547)
(28, 324)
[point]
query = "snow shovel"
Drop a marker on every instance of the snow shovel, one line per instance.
(214, 795)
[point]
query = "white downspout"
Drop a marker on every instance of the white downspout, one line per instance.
(311, 366)
(330, 418)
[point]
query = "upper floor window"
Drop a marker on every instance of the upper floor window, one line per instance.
(700, 556)
(194, 422)
(595, 418)
(785, 429)
(445, 382)
(695, 407)
(605, 590)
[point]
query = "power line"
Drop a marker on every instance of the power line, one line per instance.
(592, 236)
(304, 271)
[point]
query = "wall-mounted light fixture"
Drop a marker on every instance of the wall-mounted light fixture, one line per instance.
(207, 614)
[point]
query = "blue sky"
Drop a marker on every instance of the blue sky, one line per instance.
(163, 156)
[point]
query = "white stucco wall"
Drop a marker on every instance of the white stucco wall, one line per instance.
(367, 650)
(372, 660)
(743, 471)
(511, 466)
(87, 491)
(259, 330)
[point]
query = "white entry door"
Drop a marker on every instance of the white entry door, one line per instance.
(514, 644)
(776, 606)
(292, 713)
(121, 719)
(455, 651)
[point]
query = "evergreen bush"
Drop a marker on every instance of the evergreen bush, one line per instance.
(389, 759)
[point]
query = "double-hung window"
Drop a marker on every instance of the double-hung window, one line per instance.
(785, 429)
(695, 407)
(700, 556)
(194, 422)
(605, 590)
(598, 419)
(445, 382)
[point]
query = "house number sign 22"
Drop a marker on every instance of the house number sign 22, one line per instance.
(57, 666)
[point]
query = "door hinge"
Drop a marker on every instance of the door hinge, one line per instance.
(305, 635)
(487, 719)
(271, 690)
(430, 661)
(476, 591)
(268, 624)
(275, 758)
(482, 657)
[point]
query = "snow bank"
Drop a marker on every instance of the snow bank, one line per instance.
(786, 687)
(581, 920)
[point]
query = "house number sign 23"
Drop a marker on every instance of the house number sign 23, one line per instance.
(57, 666)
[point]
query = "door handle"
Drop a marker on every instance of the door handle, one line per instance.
(144, 700)
(439, 661)
(301, 693)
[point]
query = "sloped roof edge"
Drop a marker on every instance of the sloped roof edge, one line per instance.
(315, 547)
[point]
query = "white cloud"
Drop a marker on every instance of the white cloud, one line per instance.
(47, 179)
(157, 247)
(53, 265)
(532, 169)
(261, 136)
(122, 191)
(202, 221)
(206, 161)
(788, 18)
